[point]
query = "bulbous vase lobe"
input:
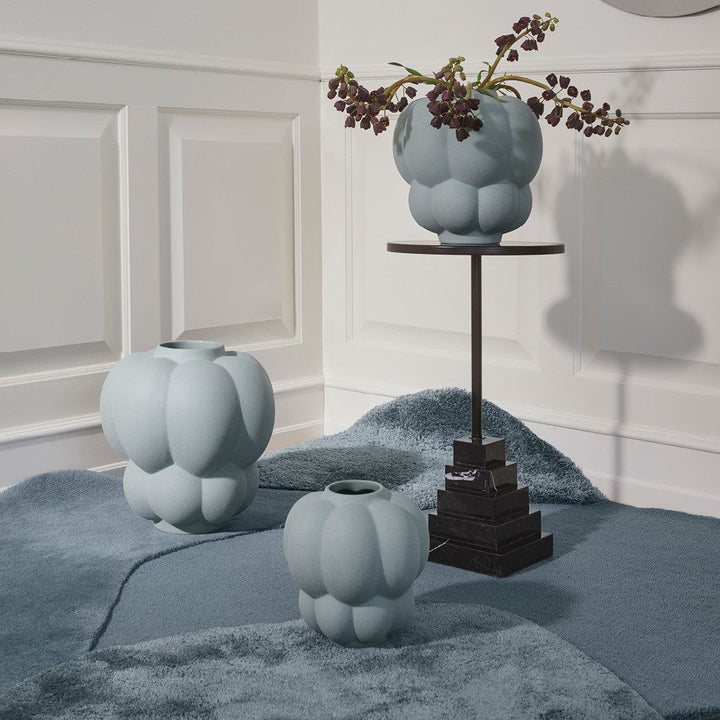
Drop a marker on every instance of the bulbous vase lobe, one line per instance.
(355, 550)
(192, 420)
(470, 192)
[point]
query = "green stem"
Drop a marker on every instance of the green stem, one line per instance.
(415, 79)
(493, 67)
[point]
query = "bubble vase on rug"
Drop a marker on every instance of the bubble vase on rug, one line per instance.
(192, 419)
(471, 192)
(355, 550)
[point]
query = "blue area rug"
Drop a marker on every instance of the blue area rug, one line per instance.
(635, 590)
(454, 662)
(406, 443)
(69, 543)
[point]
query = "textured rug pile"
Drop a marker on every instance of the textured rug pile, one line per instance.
(406, 443)
(457, 661)
(120, 620)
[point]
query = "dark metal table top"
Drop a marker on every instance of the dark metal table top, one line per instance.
(506, 248)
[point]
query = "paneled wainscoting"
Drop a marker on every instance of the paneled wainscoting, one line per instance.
(148, 197)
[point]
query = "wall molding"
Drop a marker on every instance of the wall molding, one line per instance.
(535, 64)
(49, 375)
(63, 426)
(80, 423)
(659, 436)
(123, 55)
(641, 493)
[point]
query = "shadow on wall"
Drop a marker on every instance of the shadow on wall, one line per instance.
(632, 226)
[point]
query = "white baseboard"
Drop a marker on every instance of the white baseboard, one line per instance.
(674, 473)
(296, 434)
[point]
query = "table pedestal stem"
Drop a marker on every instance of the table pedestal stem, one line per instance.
(476, 351)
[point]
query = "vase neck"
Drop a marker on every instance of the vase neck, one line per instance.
(184, 350)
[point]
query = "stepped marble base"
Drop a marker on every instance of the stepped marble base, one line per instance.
(483, 521)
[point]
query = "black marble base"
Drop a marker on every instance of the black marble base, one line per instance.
(495, 538)
(483, 521)
(469, 557)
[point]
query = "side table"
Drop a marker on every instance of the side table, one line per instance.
(483, 521)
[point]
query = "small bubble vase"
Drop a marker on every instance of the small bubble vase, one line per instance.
(355, 550)
(192, 420)
(470, 192)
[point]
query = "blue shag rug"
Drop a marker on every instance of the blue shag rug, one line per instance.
(456, 661)
(406, 443)
(635, 590)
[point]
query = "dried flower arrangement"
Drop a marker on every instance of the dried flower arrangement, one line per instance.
(453, 99)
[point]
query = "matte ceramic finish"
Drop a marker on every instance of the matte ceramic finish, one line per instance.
(470, 192)
(192, 420)
(355, 558)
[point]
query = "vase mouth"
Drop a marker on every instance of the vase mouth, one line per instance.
(182, 350)
(354, 487)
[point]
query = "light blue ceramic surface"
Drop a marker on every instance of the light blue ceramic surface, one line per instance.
(192, 420)
(355, 550)
(470, 192)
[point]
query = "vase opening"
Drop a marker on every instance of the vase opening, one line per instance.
(354, 487)
(191, 345)
(184, 350)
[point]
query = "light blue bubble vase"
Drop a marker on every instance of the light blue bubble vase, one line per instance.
(192, 420)
(355, 550)
(470, 192)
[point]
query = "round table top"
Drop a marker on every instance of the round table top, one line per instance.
(506, 248)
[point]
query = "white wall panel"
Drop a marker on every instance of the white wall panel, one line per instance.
(60, 289)
(650, 224)
(231, 221)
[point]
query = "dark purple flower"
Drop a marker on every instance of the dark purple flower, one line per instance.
(552, 79)
(585, 95)
(513, 55)
(504, 41)
(536, 106)
(552, 119)
(564, 81)
(529, 44)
